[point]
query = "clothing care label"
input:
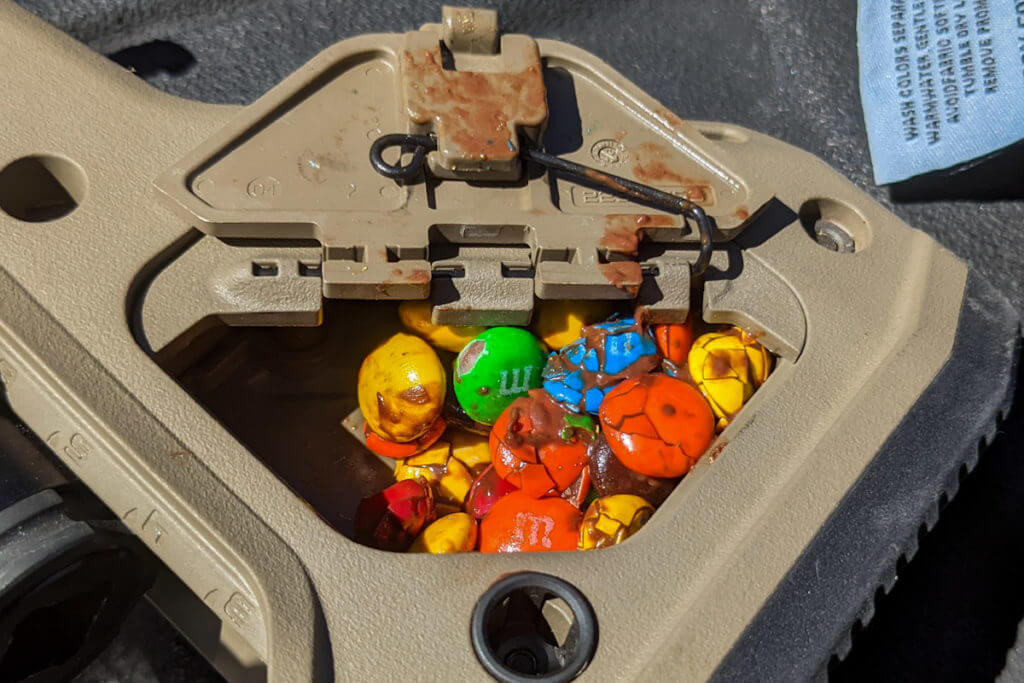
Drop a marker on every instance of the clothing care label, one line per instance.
(941, 81)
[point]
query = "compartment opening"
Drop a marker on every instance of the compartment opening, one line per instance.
(289, 395)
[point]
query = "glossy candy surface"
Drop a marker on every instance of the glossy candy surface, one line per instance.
(455, 415)
(727, 367)
(415, 315)
(561, 322)
(674, 340)
(520, 523)
(397, 450)
(487, 489)
(454, 533)
(657, 425)
(612, 519)
(578, 491)
(401, 388)
(494, 369)
(473, 450)
(391, 519)
(441, 469)
(610, 477)
(579, 375)
(536, 449)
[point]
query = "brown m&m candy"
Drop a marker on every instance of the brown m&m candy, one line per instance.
(610, 477)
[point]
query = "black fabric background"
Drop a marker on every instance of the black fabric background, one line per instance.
(787, 68)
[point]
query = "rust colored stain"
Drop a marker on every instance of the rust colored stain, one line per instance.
(474, 113)
(741, 214)
(652, 166)
(625, 275)
(622, 231)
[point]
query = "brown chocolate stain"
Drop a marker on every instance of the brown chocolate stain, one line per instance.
(473, 111)
(741, 214)
(720, 366)
(652, 166)
(416, 394)
(717, 449)
(385, 411)
(419, 276)
(624, 275)
(673, 120)
(622, 231)
(602, 178)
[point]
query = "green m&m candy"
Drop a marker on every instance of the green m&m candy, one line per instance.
(498, 366)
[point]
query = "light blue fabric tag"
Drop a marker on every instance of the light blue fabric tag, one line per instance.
(941, 81)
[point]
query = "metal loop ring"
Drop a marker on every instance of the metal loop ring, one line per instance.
(695, 212)
(421, 144)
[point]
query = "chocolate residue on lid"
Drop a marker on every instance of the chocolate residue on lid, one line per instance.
(652, 167)
(472, 111)
(622, 231)
(625, 275)
(717, 449)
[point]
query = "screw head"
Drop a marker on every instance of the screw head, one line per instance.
(833, 237)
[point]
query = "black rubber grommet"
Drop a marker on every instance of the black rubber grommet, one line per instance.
(569, 660)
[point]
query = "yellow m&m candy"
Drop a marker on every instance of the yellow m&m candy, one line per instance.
(455, 533)
(727, 367)
(401, 388)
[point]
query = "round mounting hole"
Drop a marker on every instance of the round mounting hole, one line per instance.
(41, 188)
(534, 627)
(835, 225)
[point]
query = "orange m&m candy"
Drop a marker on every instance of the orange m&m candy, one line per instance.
(521, 523)
(657, 425)
(536, 446)
(399, 450)
(674, 340)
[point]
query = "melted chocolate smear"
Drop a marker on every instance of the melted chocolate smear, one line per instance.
(595, 339)
(417, 394)
(720, 366)
(546, 419)
(385, 413)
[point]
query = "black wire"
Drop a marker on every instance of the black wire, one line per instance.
(614, 184)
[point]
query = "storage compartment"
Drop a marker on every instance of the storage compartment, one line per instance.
(289, 394)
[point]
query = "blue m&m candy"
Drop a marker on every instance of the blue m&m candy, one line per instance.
(579, 375)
